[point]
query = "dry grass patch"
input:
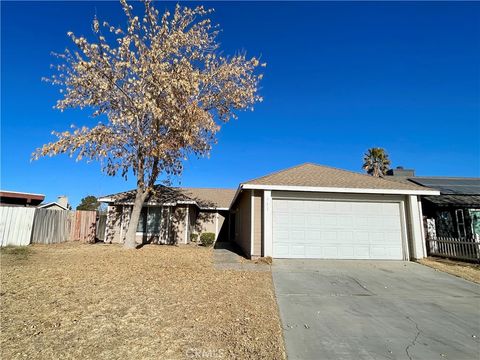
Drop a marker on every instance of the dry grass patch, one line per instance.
(159, 302)
(464, 270)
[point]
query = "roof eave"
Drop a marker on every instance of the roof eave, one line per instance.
(41, 206)
(337, 190)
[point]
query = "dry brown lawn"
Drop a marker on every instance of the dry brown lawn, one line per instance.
(78, 301)
(464, 270)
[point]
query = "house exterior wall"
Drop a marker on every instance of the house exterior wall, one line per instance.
(243, 222)
(173, 230)
(209, 221)
(179, 225)
(114, 218)
(257, 223)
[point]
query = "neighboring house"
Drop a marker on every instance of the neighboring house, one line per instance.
(453, 214)
(171, 215)
(60, 204)
(307, 211)
(14, 198)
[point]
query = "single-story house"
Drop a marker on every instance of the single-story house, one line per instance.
(60, 204)
(453, 214)
(170, 215)
(307, 211)
(15, 198)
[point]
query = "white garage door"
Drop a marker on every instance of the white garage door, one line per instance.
(336, 229)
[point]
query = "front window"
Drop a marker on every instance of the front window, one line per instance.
(150, 220)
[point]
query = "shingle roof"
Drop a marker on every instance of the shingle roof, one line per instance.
(203, 197)
(313, 175)
(220, 198)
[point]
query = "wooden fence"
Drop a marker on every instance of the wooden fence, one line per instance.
(51, 226)
(101, 227)
(21, 226)
(463, 249)
(16, 225)
(83, 226)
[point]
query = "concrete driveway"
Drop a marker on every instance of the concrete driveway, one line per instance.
(375, 310)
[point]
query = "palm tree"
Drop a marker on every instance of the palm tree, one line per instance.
(376, 162)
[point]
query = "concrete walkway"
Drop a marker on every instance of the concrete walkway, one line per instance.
(226, 256)
(375, 310)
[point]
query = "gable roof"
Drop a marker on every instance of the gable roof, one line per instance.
(204, 198)
(325, 178)
(50, 204)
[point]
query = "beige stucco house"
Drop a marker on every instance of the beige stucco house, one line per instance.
(170, 215)
(307, 211)
(313, 211)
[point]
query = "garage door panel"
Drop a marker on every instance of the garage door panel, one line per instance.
(281, 235)
(282, 250)
(391, 223)
(298, 220)
(361, 252)
(336, 229)
(297, 250)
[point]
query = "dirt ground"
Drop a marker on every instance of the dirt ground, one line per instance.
(79, 301)
(464, 270)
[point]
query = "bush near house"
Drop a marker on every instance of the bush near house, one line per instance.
(193, 237)
(207, 239)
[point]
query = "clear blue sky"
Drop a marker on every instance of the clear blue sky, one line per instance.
(341, 77)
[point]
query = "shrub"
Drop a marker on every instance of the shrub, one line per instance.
(194, 237)
(207, 239)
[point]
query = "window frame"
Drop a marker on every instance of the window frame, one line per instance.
(146, 225)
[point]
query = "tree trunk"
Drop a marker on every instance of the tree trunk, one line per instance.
(130, 242)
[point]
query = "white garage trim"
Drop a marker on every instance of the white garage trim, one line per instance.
(405, 243)
(416, 224)
(422, 228)
(402, 249)
(252, 222)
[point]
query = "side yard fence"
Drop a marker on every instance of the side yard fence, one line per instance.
(454, 248)
(21, 226)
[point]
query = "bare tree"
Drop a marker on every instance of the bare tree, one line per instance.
(163, 88)
(376, 162)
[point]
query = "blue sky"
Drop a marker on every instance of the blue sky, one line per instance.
(341, 77)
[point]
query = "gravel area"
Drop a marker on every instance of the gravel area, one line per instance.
(78, 301)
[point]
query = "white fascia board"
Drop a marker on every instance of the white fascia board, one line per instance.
(339, 190)
(105, 199)
(189, 202)
(236, 195)
(21, 193)
(51, 203)
(214, 208)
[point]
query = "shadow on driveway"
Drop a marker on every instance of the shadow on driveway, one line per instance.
(228, 256)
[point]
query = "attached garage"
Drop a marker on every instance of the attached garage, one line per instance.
(337, 229)
(317, 212)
